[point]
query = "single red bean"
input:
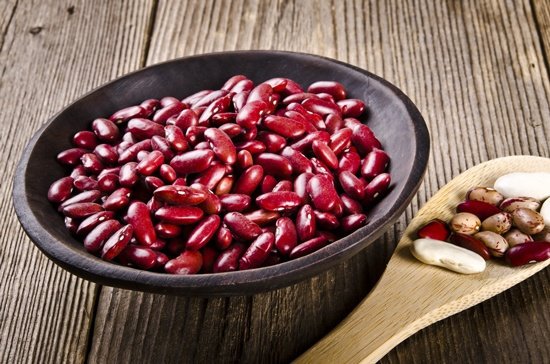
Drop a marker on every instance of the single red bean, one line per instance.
(325, 154)
(257, 252)
(289, 128)
(252, 146)
(320, 168)
(106, 153)
(94, 240)
(117, 242)
(351, 206)
(353, 222)
(262, 217)
(89, 223)
(188, 262)
(325, 96)
(351, 107)
(249, 134)
(150, 164)
(306, 225)
(352, 186)
(465, 241)
(374, 163)
(203, 232)
(308, 247)
(235, 202)
(105, 130)
(212, 204)
(262, 92)
(168, 100)
(274, 143)
(479, 208)
(284, 185)
(249, 180)
(167, 231)
(304, 145)
(223, 238)
(85, 183)
(130, 154)
(286, 236)
(184, 120)
(144, 128)
(91, 163)
(244, 159)
(118, 199)
(202, 146)
(251, 113)
(338, 209)
(278, 84)
(86, 196)
(294, 115)
(78, 171)
(209, 255)
(224, 186)
(334, 123)
(268, 184)
(340, 140)
(139, 217)
(142, 155)
(223, 118)
(111, 170)
(152, 183)
(220, 105)
(300, 186)
(291, 87)
(179, 215)
(180, 195)
(85, 139)
(140, 257)
(274, 165)
(298, 161)
(128, 113)
(322, 192)
(210, 98)
(350, 161)
(241, 226)
(228, 260)
(175, 136)
(154, 204)
(279, 201)
(528, 252)
(161, 144)
(60, 190)
(222, 145)
(211, 176)
(232, 130)
(161, 115)
(378, 186)
(149, 106)
(364, 140)
(321, 107)
(71, 157)
(333, 88)
(128, 174)
(161, 260)
(194, 161)
(157, 245)
(232, 81)
(192, 99)
(298, 97)
(167, 173)
(81, 210)
(239, 100)
(326, 220)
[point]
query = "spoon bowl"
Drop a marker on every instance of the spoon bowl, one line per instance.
(412, 295)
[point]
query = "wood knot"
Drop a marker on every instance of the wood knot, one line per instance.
(35, 30)
(70, 10)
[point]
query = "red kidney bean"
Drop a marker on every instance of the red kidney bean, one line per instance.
(78, 171)
(105, 130)
(352, 186)
(86, 196)
(299, 162)
(224, 186)
(278, 84)
(300, 186)
(351, 206)
(262, 92)
(149, 106)
(251, 113)
(308, 247)
(144, 128)
(108, 183)
(202, 145)
(128, 113)
(325, 96)
(167, 173)
(128, 175)
(94, 240)
(150, 164)
(161, 260)
(351, 107)
(315, 119)
(85, 183)
(322, 192)
(89, 223)
(142, 155)
(220, 105)
(333, 123)
(167, 111)
(320, 167)
(284, 185)
(335, 89)
(184, 120)
(479, 208)
(340, 140)
(252, 146)
(180, 195)
(223, 118)
(350, 161)
(364, 140)
(174, 135)
(212, 204)
(130, 154)
(268, 184)
(274, 143)
(306, 224)
(193, 98)
(168, 100)
(374, 163)
(157, 245)
(223, 238)
(325, 154)
(139, 217)
(211, 176)
(470, 243)
(232, 130)
(289, 128)
(228, 260)
(85, 139)
(192, 162)
(326, 220)
(274, 165)
(262, 217)
(91, 163)
(249, 134)
(151, 184)
(188, 262)
(118, 199)
(167, 231)
(279, 201)
(140, 257)
(239, 100)
(71, 157)
(321, 107)
(106, 153)
(179, 215)
(222, 145)
(299, 97)
(235, 202)
(375, 188)
(244, 159)
(117, 242)
(232, 81)
(528, 252)
(129, 137)
(154, 204)
(353, 222)
(291, 87)
(210, 98)
(60, 190)
(81, 210)
(203, 232)
(338, 209)
(241, 227)
(250, 180)
(304, 145)
(286, 236)
(294, 115)
(112, 170)
(257, 252)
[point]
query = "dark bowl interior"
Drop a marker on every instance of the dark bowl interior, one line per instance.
(392, 116)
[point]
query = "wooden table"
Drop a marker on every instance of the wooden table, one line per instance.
(477, 70)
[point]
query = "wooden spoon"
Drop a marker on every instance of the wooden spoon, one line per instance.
(412, 295)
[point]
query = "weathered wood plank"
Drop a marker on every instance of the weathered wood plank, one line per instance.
(476, 72)
(51, 52)
(541, 14)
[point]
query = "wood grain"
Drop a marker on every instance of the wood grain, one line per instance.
(541, 14)
(484, 93)
(50, 53)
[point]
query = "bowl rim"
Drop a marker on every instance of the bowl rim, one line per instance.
(229, 283)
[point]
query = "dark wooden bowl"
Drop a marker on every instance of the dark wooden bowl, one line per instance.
(393, 117)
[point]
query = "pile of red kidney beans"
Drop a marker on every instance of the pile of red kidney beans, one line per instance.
(231, 179)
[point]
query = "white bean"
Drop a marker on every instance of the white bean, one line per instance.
(443, 254)
(535, 185)
(545, 212)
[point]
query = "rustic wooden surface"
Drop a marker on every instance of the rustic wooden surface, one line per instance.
(477, 70)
